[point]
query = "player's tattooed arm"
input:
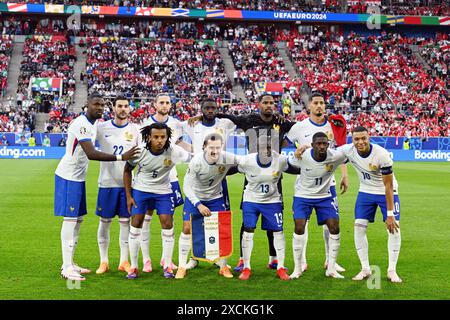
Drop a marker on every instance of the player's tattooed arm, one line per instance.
(127, 177)
(388, 181)
(93, 154)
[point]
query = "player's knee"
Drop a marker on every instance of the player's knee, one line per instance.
(334, 229)
(300, 226)
(137, 220)
(186, 228)
(249, 230)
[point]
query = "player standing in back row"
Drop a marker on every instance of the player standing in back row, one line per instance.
(114, 136)
(254, 126)
(70, 180)
(378, 188)
(162, 106)
(301, 134)
(197, 133)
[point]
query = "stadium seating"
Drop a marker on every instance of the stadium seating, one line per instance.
(184, 68)
(6, 46)
(254, 62)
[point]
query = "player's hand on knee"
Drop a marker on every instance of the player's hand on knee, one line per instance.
(392, 225)
(130, 204)
(133, 153)
(204, 210)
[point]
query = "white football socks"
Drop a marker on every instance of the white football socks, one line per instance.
(168, 240)
(67, 240)
(134, 244)
(145, 238)
(298, 246)
(280, 247)
(361, 243)
(326, 239)
(334, 245)
(303, 257)
(103, 238)
(184, 246)
(394, 244)
(124, 224)
(76, 235)
(247, 247)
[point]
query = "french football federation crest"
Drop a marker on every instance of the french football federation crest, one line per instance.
(167, 163)
(329, 167)
(276, 174)
(276, 127)
(83, 130)
(128, 136)
(219, 131)
(373, 167)
(330, 135)
(221, 169)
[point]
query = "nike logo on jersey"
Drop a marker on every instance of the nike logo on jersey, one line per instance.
(253, 176)
(307, 135)
(107, 135)
(308, 169)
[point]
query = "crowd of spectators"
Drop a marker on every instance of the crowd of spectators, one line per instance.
(6, 46)
(184, 68)
(397, 7)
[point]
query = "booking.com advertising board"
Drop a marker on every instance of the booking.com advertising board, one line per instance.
(421, 150)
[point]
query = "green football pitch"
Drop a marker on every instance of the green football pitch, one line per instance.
(30, 254)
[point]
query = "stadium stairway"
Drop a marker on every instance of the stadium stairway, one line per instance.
(229, 68)
(81, 91)
(14, 70)
(415, 50)
(287, 61)
(41, 118)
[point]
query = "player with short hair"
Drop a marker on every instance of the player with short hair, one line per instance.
(203, 190)
(163, 106)
(254, 126)
(301, 134)
(261, 197)
(114, 136)
(312, 191)
(70, 180)
(378, 188)
(151, 190)
(209, 124)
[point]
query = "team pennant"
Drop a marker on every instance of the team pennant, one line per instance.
(212, 237)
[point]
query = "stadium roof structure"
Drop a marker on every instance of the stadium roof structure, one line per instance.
(217, 14)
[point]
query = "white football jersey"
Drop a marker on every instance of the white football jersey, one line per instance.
(203, 181)
(116, 140)
(74, 164)
(369, 168)
(262, 180)
(315, 178)
(177, 134)
(302, 132)
(172, 123)
(197, 133)
(153, 170)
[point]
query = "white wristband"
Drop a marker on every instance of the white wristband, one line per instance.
(390, 213)
(119, 157)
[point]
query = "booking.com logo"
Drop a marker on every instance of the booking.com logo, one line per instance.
(21, 153)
